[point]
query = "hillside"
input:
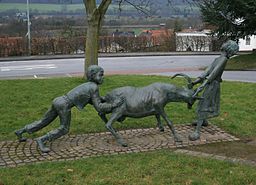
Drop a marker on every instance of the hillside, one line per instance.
(38, 7)
(159, 2)
(76, 7)
(44, 1)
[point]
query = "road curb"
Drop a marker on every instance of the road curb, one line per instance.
(48, 57)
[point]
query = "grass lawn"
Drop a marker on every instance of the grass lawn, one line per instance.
(151, 168)
(242, 62)
(23, 101)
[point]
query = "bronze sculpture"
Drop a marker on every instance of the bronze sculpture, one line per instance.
(136, 102)
(146, 101)
(80, 96)
(209, 105)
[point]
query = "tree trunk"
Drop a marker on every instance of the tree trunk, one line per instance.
(91, 47)
(95, 15)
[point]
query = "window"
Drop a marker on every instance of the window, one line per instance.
(247, 40)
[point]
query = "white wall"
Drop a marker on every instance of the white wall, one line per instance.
(244, 47)
(196, 41)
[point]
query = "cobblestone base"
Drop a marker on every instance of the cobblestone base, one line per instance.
(13, 153)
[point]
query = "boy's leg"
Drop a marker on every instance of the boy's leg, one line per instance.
(65, 118)
(48, 117)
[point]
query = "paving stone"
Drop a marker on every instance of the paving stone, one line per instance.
(222, 158)
(73, 147)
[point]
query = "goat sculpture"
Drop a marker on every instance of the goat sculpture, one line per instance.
(146, 101)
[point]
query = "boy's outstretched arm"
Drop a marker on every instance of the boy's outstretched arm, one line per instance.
(105, 107)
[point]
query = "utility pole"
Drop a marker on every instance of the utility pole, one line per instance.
(28, 33)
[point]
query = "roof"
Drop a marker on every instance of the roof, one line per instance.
(199, 34)
(156, 33)
(123, 34)
(193, 32)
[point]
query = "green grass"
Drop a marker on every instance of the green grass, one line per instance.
(151, 168)
(242, 62)
(23, 101)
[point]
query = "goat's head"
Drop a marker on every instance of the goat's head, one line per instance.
(189, 90)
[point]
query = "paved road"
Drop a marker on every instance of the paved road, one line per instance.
(160, 65)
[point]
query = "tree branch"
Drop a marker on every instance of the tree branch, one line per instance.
(119, 5)
(103, 7)
(140, 8)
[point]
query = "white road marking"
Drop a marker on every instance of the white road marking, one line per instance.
(27, 67)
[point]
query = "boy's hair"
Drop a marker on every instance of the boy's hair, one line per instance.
(230, 47)
(92, 70)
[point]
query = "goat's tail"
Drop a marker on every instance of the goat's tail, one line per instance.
(190, 86)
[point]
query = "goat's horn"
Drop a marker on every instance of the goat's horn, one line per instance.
(183, 75)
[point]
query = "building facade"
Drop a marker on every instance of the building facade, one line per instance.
(247, 44)
(193, 41)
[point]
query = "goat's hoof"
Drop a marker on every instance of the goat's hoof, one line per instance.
(122, 142)
(23, 139)
(177, 139)
(194, 136)
(161, 129)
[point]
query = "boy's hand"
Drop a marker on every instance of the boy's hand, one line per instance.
(102, 99)
(118, 102)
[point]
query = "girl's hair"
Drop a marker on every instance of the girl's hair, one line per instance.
(92, 70)
(230, 47)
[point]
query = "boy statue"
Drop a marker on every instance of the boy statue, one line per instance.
(209, 106)
(80, 96)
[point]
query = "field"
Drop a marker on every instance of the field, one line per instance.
(23, 101)
(114, 9)
(40, 8)
(46, 8)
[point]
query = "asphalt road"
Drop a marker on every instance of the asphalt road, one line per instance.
(149, 65)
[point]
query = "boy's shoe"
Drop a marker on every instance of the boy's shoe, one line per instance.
(41, 146)
(19, 133)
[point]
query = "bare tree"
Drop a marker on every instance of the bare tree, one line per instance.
(95, 15)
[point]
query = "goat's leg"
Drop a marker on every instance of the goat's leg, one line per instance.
(159, 123)
(103, 117)
(169, 123)
(112, 119)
